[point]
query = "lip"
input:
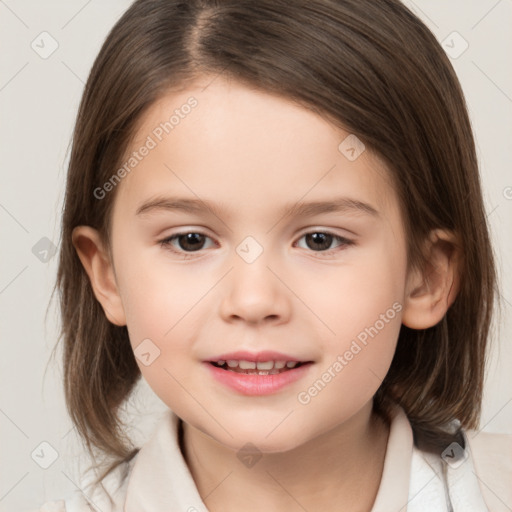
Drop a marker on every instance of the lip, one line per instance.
(265, 355)
(258, 385)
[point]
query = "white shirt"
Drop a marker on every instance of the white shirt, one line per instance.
(158, 479)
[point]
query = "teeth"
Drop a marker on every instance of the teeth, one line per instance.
(246, 365)
(263, 366)
(267, 365)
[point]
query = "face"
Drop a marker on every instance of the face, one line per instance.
(257, 270)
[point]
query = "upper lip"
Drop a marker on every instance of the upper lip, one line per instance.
(265, 355)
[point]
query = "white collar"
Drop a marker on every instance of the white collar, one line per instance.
(412, 480)
(160, 478)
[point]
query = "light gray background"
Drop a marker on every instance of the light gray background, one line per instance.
(38, 103)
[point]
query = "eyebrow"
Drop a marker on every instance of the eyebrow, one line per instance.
(335, 205)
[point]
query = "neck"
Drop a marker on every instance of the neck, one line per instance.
(343, 465)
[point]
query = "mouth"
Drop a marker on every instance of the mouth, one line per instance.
(258, 368)
(257, 374)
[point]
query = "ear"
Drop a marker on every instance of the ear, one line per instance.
(97, 264)
(431, 291)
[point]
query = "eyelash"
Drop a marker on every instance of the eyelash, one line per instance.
(166, 243)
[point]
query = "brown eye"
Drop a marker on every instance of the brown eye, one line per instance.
(191, 241)
(185, 242)
(321, 241)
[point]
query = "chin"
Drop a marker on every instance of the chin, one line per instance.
(274, 443)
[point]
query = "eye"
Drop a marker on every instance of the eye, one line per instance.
(191, 241)
(321, 241)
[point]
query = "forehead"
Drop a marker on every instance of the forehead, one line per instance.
(226, 142)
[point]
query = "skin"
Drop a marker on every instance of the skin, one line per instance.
(251, 154)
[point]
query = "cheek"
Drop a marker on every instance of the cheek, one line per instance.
(363, 308)
(353, 296)
(361, 303)
(157, 294)
(161, 301)
(158, 323)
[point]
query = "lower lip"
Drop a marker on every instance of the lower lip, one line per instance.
(257, 385)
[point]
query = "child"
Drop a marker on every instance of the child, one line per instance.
(346, 376)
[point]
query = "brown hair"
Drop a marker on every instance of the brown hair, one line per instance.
(371, 67)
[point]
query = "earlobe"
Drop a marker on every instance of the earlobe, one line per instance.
(97, 264)
(432, 290)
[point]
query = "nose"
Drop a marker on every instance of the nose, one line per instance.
(255, 293)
